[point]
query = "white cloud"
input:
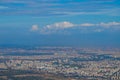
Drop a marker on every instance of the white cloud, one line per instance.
(56, 27)
(109, 24)
(65, 27)
(102, 24)
(34, 28)
(60, 25)
(87, 24)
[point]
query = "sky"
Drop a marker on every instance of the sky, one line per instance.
(83, 23)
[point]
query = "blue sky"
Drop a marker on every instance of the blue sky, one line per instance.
(84, 23)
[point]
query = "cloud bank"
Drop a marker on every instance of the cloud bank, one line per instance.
(65, 26)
